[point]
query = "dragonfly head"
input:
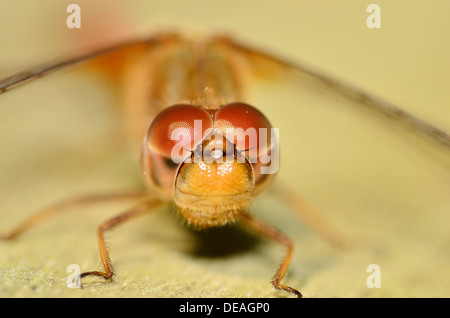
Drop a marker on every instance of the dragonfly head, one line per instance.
(210, 163)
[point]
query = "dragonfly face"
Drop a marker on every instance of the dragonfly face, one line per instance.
(210, 162)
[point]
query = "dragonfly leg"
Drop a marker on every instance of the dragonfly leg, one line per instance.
(67, 205)
(271, 233)
(139, 209)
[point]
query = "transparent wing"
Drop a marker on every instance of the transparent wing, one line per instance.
(111, 56)
(271, 66)
(376, 172)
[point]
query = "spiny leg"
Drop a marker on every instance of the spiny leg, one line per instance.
(270, 232)
(139, 209)
(66, 205)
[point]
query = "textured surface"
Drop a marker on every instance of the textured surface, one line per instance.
(58, 138)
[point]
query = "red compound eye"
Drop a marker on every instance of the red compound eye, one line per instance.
(244, 125)
(172, 135)
(179, 126)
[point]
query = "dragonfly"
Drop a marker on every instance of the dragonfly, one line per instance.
(193, 102)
